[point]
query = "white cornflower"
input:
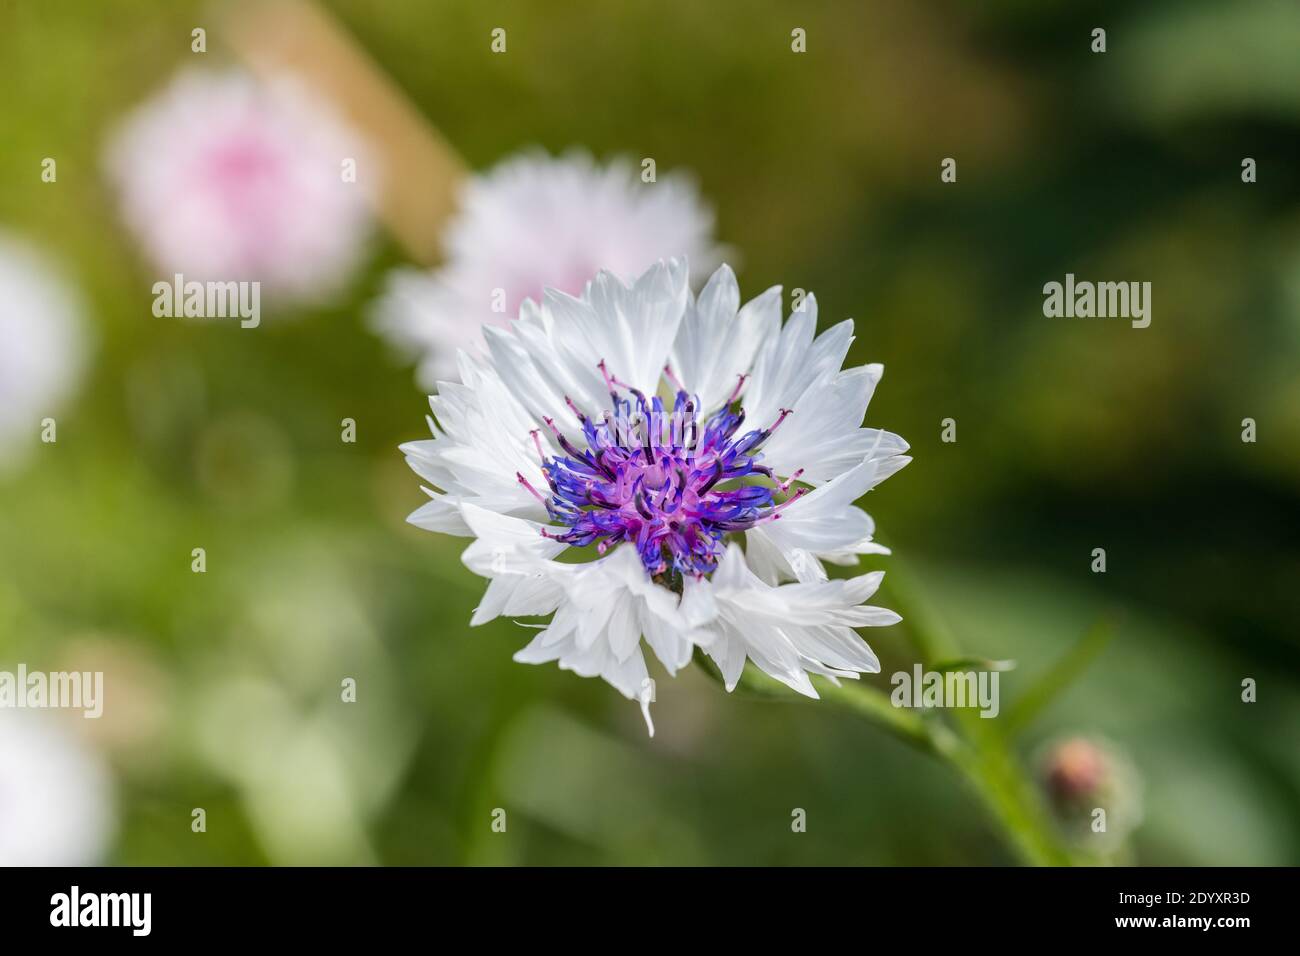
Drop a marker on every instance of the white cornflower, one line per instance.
(535, 222)
(223, 177)
(44, 345)
(55, 794)
(654, 429)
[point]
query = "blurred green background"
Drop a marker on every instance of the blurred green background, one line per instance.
(824, 168)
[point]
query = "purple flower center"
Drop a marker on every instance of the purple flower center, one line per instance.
(660, 479)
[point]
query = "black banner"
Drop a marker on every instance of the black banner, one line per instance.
(329, 906)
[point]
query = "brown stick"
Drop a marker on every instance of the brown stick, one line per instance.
(421, 172)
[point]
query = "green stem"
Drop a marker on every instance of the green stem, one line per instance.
(1010, 798)
(987, 766)
(981, 753)
(989, 769)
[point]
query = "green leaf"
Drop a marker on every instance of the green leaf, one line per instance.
(1060, 675)
(973, 664)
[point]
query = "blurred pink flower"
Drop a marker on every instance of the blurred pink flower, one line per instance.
(536, 222)
(224, 177)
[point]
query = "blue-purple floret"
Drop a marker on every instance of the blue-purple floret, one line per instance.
(665, 484)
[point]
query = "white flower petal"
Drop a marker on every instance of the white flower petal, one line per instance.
(822, 436)
(791, 630)
(790, 363)
(482, 441)
(517, 557)
(608, 606)
(718, 341)
(441, 513)
(822, 522)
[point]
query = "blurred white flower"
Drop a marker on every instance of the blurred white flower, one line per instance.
(272, 714)
(223, 177)
(44, 345)
(55, 794)
(538, 222)
(558, 438)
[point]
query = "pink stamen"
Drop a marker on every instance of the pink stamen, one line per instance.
(785, 413)
(527, 484)
(574, 408)
(735, 392)
(777, 509)
(537, 441)
(612, 380)
(785, 485)
(672, 379)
